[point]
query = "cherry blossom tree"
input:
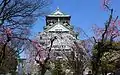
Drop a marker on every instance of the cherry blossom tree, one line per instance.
(105, 39)
(16, 19)
(71, 51)
(75, 57)
(40, 55)
(79, 58)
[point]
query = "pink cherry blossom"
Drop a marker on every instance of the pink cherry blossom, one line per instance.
(119, 22)
(8, 31)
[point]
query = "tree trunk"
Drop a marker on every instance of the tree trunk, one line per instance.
(43, 70)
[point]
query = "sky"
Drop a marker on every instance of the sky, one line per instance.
(84, 13)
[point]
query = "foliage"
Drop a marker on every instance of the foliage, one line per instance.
(10, 63)
(58, 70)
(106, 66)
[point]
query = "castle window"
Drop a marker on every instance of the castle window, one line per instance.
(58, 29)
(40, 37)
(57, 54)
(58, 49)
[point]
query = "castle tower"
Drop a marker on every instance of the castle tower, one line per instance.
(64, 47)
(58, 25)
(58, 22)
